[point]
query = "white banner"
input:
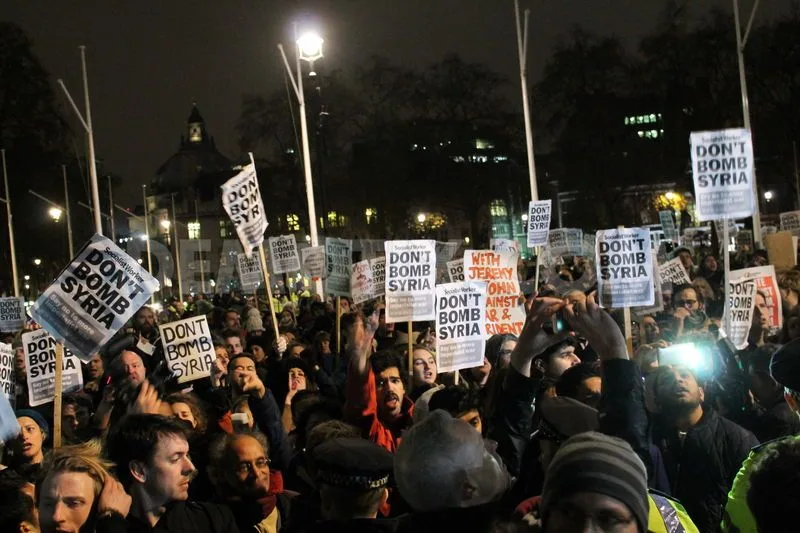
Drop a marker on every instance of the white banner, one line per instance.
(93, 297)
(565, 241)
(250, 275)
(460, 325)
(378, 267)
(673, 272)
(361, 283)
(740, 309)
(624, 267)
(455, 269)
(791, 222)
(40, 361)
(241, 199)
(339, 264)
(538, 225)
(283, 253)
(313, 261)
(504, 245)
(188, 348)
(8, 380)
(410, 280)
(722, 166)
(766, 288)
(12, 314)
(504, 314)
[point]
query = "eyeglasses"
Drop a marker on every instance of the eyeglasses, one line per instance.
(245, 468)
(686, 303)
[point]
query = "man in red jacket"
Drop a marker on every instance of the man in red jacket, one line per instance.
(376, 393)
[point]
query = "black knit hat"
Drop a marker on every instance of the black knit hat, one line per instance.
(594, 462)
(785, 365)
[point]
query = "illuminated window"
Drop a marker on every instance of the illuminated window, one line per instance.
(194, 230)
(652, 118)
(499, 158)
(337, 220)
(371, 215)
(457, 158)
(224, 229)
(640, 133)
(498, 208)
(292, 222)
(332, 218)
(483, 144)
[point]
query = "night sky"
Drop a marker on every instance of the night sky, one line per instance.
(149, 60)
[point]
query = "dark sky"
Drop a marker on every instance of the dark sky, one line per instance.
(149, 60)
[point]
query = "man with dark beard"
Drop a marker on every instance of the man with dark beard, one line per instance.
(702, 450)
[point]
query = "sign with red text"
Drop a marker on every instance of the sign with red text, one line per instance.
(766, 288)
(504, 314)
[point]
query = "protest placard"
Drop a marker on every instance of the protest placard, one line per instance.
(12, 314)
(565, 241)
(369, 248)
(283, 253)
(668, 225)
(361, 282)
(8, 380)
(9, 427)
(410, 280)
(766, 288)
(445, 251)
(93, 296)
(313, 259)
(504, 314)
(339, 265)
(40, 361)
(742, 302)
(188, 348)
(504, 245)
(673, 272)
(790, 221)
(460, 325)
(250, 276)
(538, 224)
(781, 249)
(241, 199)
(455, 269)
(624, 267)
(378, 267)
(722, 166)
(768, 230)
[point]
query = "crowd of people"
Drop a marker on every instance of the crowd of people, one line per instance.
(568, 429)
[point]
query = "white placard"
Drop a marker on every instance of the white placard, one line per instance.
(624, 267)
(12, 314)
(455, 270)
(504, 314)
(539, 212)
(250, 275)
(565, 241)
(740, 309)
(766, 284)
(339, 265)
(241, 199)
(283, 253)
(188, 348)
(313, 261)
(410, 280)
(40, 361)
(668, 225)
(378, 267)
(790, 221)
(504, 245)
(460, 325)
(93, 297)
(722, 166)
(8, 379)
(673, 272)
(361, 283)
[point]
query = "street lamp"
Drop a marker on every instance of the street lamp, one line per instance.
(27, 277)
(524, 217)
(37, 261)
(768, 196)
(55, 213)
(421, 218)
(466, 240)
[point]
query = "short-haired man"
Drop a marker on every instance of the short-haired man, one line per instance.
(556, 359)
(133, 368)
(774, 493)
(153, 464)
(232, 320)
(375, 388)
(462, 403)
(233, 341)
(145, 323)
(581, 382)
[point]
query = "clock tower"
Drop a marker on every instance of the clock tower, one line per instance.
(197, 126)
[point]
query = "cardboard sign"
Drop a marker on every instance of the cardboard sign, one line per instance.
(410, 280)
(504, 314)
(12, 314)
(339, 265)
(565, 241)
(791, 222)
(781, 249)
(741, 304)
(250, 275)
(188, 348)
(378, 267)
(283, 253)
(93, 297)
(504, 245)
(767, 286)
(722, 166)
(40, 361)
(8, 380)
(455, 270)
(460, 325)
(241, 199)
(668, 225)
(624, 267)
(673, 272)
(361, 282)
(538, 225)
(313, 259)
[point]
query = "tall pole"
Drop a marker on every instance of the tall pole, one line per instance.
(200, 250)
(177, 248)
(98, 225)
(111, 209)
(13, 250)
(68, 212)
(741, 42)
(522, 49)
(147, 234)
(796, 173)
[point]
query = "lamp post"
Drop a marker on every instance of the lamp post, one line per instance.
(522, 50)
(55, 213)
(7, 201)
(309, 48)
(147, 237)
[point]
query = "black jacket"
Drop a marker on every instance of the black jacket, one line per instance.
(189, 517)
(701, 466)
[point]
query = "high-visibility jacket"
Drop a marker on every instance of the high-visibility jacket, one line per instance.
(668, 515)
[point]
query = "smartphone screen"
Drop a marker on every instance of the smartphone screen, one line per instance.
(686, 354)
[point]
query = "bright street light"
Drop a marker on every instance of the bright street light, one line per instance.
(768, 196)
(27, 277)
(55, 213)
(310, 46)
(670, 196)
(27, 286)
(308, 238)
(37, 261)
(466, 240)
(524, 217)
(421, 218)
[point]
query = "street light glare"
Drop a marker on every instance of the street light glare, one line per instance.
(55, 213)
(768, 196)
(310, 46)
(37, 261)
(421, 218)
